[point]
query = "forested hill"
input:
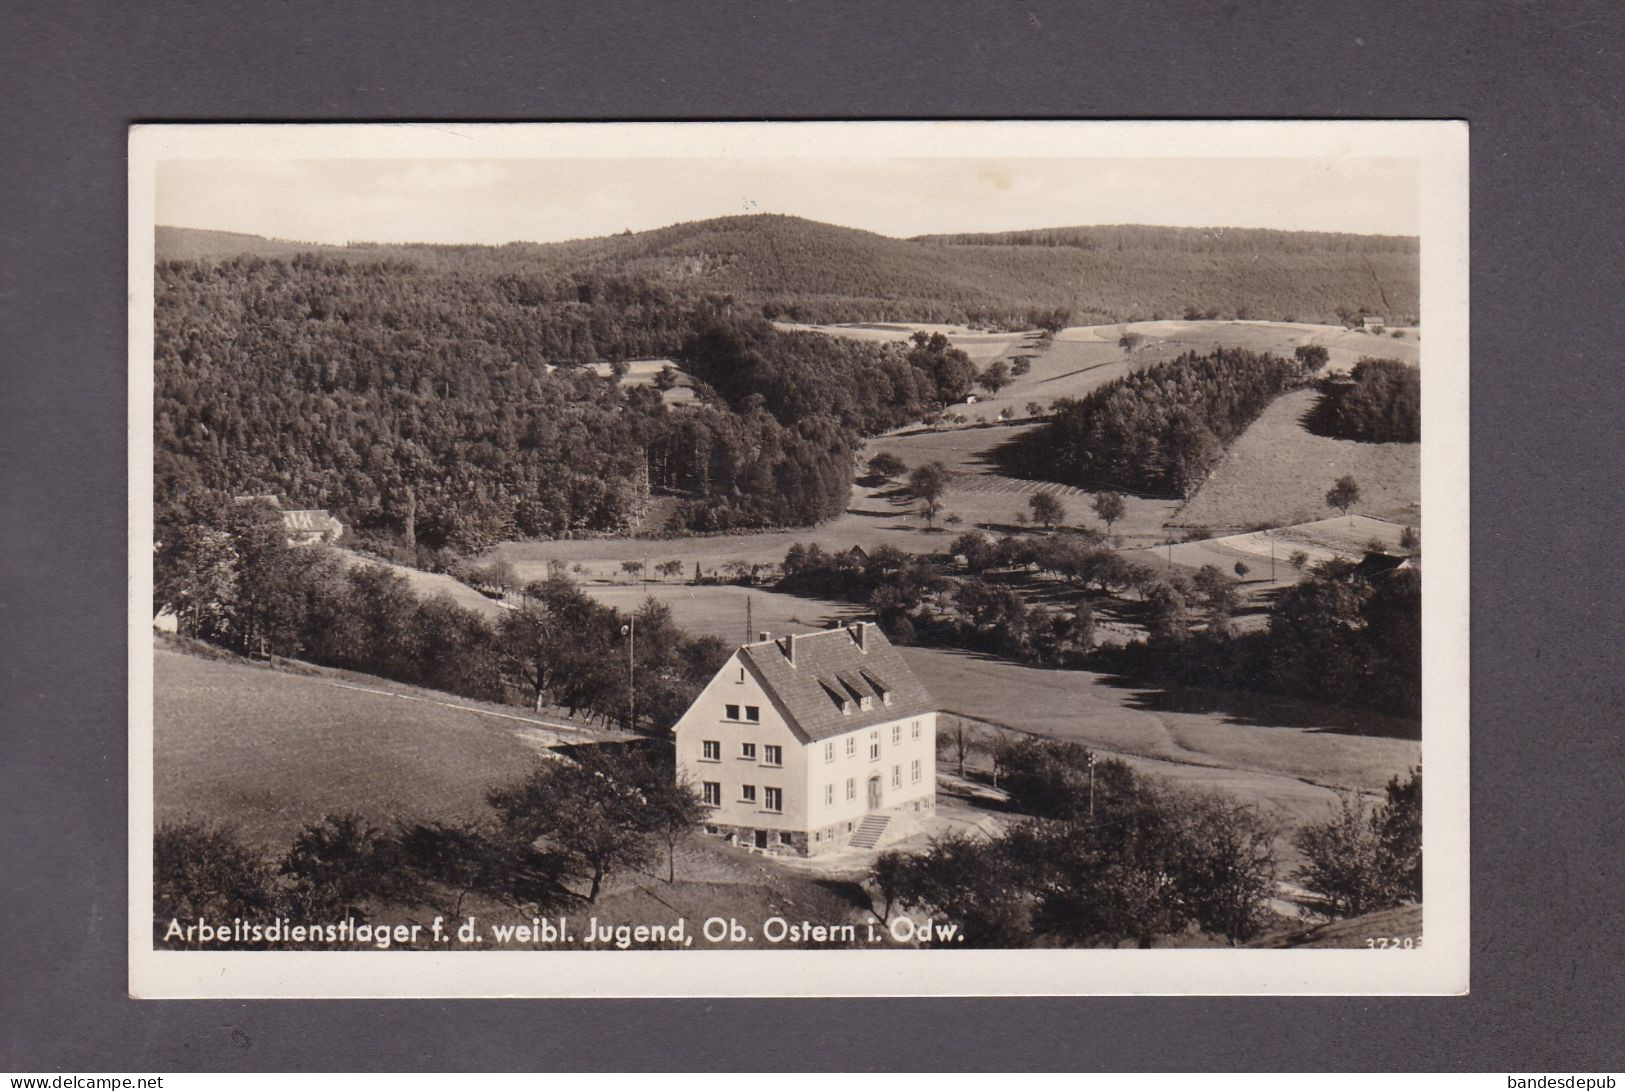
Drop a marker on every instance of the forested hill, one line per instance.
(787, 267)
(438, 406)
(193, 244)
(1197, 240)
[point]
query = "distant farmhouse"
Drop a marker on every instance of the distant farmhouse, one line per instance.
(812, 742)
(1373, 322)
(303, 526)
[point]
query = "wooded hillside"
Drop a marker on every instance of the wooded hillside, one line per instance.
(787, 267)
(441, 407)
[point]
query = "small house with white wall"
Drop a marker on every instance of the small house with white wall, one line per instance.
(811, 742)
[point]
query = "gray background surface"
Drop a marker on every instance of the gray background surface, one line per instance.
(1541, 84)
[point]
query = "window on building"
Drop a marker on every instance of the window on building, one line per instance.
(851, 788)
(753, 713)
(731, 711)
(786, 838)
(747, 793)
(914, 771)
(897, 776)
(829, 751)
(829, 795)
(773, 799)
(711, 792)
(747, 750)
(741, 675)
(916, 729)
(773, 755)
(851, 746)
(874, 750)
(896, 734)
(711, 750)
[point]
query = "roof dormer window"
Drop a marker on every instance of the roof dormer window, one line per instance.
(841, 700)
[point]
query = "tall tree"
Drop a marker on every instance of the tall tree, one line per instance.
(1046, 508)
(928, 483)
(1344, 495)
(1110, 507)
(591, 807)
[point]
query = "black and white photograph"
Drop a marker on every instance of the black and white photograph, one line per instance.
(893, 558)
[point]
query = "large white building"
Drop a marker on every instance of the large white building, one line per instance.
(811, 742)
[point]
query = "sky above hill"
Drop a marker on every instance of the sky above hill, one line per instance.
(506, 200)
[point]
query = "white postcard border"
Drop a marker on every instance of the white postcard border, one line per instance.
(1439, 966)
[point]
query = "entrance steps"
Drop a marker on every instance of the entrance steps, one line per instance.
(869, 831)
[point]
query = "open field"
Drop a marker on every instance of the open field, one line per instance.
(1278, 736)
(1323, 540)
(1278, 473)
(1288, 758)
(720, 610)
(270, 750)
(981, 346)
(1084, 358)
(642, 373)
(983, 497)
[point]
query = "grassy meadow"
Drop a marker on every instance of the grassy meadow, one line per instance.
(1278, 472)
(269, 750)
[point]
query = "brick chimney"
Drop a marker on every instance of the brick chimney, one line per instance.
(860, 633)
(788, 647)
(763, 637)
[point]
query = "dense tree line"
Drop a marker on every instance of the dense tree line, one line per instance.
(1159, 430)
(1337, 636)
(917, 602)
(550, 840)
(226, 572)
(440, 407)
(1379, 402)
(868, 387)
(1107, 857)
(791, 268)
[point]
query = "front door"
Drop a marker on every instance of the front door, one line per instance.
(874, 793)
(761, 839)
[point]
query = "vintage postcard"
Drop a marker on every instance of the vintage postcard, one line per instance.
(798, 559)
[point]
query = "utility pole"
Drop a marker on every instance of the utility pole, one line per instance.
(747, 620)
(1271, 537)
(631, 631)
(1091, 786)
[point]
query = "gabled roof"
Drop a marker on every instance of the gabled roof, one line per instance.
(832, 670)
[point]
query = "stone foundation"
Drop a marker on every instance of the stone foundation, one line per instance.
(816, 842)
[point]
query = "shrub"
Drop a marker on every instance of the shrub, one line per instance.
(1363, 859)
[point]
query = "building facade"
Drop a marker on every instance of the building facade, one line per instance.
(811, 742)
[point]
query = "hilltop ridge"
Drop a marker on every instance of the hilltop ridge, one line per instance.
(803, 270)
